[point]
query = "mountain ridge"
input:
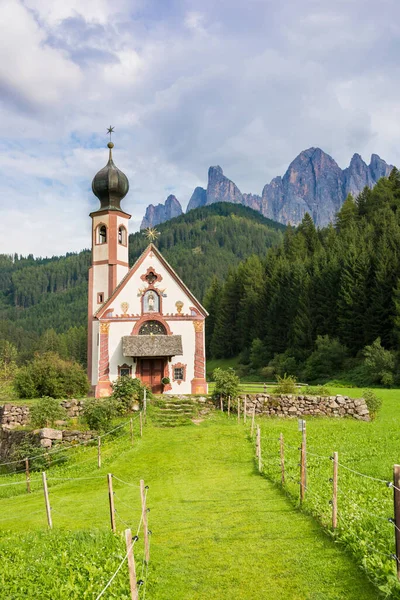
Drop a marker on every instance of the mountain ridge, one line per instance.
(312, 183)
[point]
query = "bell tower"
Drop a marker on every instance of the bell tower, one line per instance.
(109, 241)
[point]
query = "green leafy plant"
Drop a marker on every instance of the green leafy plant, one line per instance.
(374, 403)
(165, 380)
(286, 384)
(127, 391)
(49, 375)
(318, 390)
(379, 363)
(226, 383)
(98, 414)
(46, 411)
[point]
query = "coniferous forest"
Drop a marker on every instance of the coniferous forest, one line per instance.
(321, 300)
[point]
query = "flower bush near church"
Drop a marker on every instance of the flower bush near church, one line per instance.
(127, 391)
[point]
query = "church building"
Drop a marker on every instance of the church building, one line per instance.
(142, 321)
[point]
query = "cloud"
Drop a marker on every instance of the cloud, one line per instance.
(244, 85)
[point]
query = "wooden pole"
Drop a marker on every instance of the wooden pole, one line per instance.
(28, 477)
(245, 410)
(46, 500)
(396, 497)
(145, 404)
(282, 448)
(141, 424)
(334, 489)
(99, 452)
(252, 420)
(257, 432)
(131, 429)
(111, 501)
(238, 408)
(221, 404)
(145, 526)
(302, 473)
(304, 438)
(259, 449)
(229, 406)
(131, 564)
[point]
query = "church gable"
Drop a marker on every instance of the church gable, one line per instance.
(151, 286)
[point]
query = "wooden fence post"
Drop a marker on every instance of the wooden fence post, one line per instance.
(259, 449)
(131, 564)
(334, 489)
(229, 406)
(245, 410)
(145, 526)
(302, 472)
(396, 497)
(238, 410)
(141, 424)
(111, 501)
(28, 477)
(145, 404)
(304, 438)
(257, 432)
(46, 500)
(131, 429)
(282, 448)
(99, 452)
(221, 404)
(252, 421)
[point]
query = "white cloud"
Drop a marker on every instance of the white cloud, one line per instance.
(244, 85)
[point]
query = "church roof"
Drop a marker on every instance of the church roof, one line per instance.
(152, 345)
(110, 185)
(150, 248)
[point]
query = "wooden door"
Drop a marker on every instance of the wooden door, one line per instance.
(152, 373)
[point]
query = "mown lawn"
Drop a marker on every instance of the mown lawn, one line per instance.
(220, 531)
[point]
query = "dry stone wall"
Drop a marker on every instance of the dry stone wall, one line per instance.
(12, 415)
(291, 405)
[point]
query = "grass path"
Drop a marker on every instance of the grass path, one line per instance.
(223, 532)
(220, 531)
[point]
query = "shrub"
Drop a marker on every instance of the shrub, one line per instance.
(318, 390)
(126, 391)
(98, 414)
(226, 383)
(379, 363)
(46, 411)
(286, 385)
(374, 403)
(29, 447)
(281, 364)
(327, 359)
(257, 354)
(49, 375)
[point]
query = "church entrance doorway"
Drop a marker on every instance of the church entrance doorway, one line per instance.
(152, 372)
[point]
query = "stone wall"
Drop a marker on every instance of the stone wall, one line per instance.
(288, 405)
(46, 438)
(13, 415)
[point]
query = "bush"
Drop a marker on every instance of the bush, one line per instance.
(29, 448)
(49, 375)
(373, 402)
(286, 385)
(46, 411)
(281, 364)
(379, 363)
(226, 383)
(327, 359)
(98, 414)
(126, 391)
(318, 390)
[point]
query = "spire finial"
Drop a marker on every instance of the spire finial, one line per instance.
(110, 145)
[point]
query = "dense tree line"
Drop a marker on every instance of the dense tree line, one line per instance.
(342, 281)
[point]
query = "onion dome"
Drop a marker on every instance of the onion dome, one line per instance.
(110, 185)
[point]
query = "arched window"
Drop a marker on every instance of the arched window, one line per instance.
(152, 328)
(102, 234)
(122, 235)
(151, 302)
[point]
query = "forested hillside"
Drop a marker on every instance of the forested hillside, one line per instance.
(41, 295)
(342, 281)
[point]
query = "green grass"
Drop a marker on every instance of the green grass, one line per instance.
(220, 531)
(364, 504)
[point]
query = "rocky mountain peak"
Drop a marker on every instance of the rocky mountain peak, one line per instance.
(221, 189)
(162, 212)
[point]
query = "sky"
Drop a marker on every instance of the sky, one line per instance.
(187, 84)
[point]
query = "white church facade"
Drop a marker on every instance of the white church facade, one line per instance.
(142, 321)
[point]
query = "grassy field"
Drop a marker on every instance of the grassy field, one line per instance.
(220, 531)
